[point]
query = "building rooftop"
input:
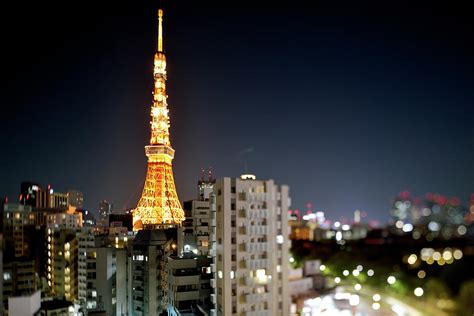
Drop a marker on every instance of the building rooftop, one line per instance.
(55, 304)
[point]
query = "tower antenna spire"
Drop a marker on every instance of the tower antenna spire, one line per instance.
(160, 30)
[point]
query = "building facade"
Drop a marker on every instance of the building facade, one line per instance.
(251, 247)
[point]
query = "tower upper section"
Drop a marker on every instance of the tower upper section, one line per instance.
(160, 122)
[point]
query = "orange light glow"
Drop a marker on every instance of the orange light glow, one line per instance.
(159, 203)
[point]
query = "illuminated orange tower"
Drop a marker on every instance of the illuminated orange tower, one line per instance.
(159, 204)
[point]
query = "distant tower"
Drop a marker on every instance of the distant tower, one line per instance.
(159, 203)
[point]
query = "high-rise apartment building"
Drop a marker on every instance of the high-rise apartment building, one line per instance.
(17, 219)
(189, 287)
(97, 272)
(19, 278)
(62, 264)
(105, 209)
(149, 273)
(251, 249)
(75, 198)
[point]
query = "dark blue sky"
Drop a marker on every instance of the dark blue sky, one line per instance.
(348, 103)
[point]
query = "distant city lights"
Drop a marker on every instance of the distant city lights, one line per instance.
(407, 227)
(354, 300)
(418, 292)
(391, 280)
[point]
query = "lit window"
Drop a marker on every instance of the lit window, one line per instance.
(7, 276)
(232, 274)
(94, 293)
(279, 239)
(219, 274)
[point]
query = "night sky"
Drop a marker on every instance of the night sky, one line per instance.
(348, 103)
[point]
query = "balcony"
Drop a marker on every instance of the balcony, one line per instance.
(254, 264)
(185, 280)
(256, 247)
(186, 296)
(256, 298)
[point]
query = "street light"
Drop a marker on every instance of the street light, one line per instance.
(354, 301)
(418, 292)
(391, 280)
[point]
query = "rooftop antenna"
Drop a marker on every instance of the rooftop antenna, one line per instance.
(209, 173)
(160, 30)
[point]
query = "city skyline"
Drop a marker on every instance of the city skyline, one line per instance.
(346, 128)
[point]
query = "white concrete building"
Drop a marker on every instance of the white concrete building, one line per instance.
(26, 305)
(251, 246)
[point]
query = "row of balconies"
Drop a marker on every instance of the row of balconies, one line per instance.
(254, 230)
(258, 313)
(254, 264)
(186, 296)
(256, 247)
(256, 298)
(184, 280)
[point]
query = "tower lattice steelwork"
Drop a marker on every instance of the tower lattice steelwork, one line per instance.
(159, 203)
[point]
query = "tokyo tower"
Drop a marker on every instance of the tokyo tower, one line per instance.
(159, 204)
